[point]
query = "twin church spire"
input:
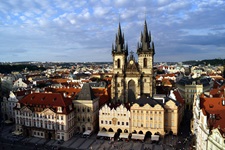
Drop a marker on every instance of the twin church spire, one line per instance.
(145, 44)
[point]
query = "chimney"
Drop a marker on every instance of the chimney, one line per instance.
(64, 94)
(223, 102)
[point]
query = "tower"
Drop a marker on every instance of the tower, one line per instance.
(132, 79)
(145, 52)
(119, 53)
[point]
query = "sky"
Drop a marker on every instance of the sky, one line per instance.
(84, 30)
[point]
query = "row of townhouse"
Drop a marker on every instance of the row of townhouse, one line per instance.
(54, 115)
(143, 117)
(57, 116)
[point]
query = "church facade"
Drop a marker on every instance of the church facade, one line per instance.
(132, 78)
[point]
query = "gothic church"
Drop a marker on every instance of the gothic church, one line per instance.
(131, 78)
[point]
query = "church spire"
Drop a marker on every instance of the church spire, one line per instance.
(145, 44)
(120, 46)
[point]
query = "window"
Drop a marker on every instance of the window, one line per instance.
(118, 123)
(127, 123)
(101, 121)
(118, 63)
(122, 123)
(61, 117)
(145, 63)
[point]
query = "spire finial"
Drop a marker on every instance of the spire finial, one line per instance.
(145, 14)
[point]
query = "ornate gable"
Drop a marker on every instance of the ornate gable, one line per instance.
(48, 111)
(25, 109)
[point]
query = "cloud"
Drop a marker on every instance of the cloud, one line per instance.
(85, 30)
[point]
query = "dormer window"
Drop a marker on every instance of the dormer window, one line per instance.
(59, 109)
(70, 106)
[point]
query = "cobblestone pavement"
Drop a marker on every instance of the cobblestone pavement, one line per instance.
(170, 142)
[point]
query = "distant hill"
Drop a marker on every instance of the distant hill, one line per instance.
(8, 68)
(213, 62)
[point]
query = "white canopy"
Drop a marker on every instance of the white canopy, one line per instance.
(155, 137)
(138, 136)
(124, 135)
(106, 134)
(87, 132)
(8, 121)
(16, 132)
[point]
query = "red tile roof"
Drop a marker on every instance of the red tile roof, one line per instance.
(213, 106)
(47, 100)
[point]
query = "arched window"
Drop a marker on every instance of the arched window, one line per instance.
(145, 63)
(118, 63)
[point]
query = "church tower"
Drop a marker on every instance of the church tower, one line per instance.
(119, 53)
(145, 52)
(132, 78)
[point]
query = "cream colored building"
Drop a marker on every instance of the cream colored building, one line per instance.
(113, 118)
(145, 117)
(188, 89)
(216, 140)
(19, 84)
(45, 115)
(86, 110)
(156, 116)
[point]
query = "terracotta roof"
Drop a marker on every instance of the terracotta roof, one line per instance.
(213, 107)
(68, 91)
(178, 96)
(46, 99)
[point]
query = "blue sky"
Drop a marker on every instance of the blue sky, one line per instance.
(84, 30)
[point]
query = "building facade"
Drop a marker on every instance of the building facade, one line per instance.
(188, 87)
(86, 110)
(114, 118)
(45, 115)
(209, 122)
(7, 106)
(131, 78)
(143, 118)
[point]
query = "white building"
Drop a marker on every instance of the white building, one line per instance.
(45, 115)
(114, 117)
(19, 84)
(7, 106)
(209, 122)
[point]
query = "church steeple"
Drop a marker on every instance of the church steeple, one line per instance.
(120, 46)
(145, 45)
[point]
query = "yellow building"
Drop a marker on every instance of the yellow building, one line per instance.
(145, 117)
